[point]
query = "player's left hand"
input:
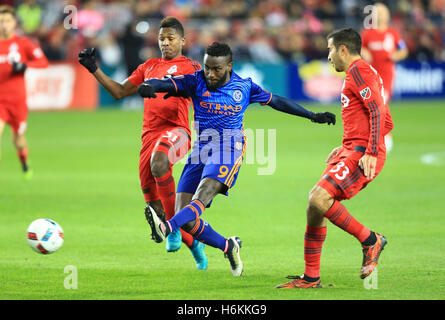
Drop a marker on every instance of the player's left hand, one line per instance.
(18, 67)
(324, 117)
(146, 90)
(368, 163)
(87, 58)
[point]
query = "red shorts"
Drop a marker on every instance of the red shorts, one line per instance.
(343, 178)
(14, 114)
(174, 142)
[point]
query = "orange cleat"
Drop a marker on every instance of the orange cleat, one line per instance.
(299, 282)
(371, 255)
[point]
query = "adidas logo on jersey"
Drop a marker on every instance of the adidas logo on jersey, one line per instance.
(206, 94)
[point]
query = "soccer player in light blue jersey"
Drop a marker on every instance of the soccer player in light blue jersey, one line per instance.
(220, 98)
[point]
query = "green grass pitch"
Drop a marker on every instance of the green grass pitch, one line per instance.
(86, 178)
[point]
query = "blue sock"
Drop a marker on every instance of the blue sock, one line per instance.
(190, 212)
(204, 233)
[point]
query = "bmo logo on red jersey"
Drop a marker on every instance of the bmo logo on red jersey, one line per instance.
(344, 101)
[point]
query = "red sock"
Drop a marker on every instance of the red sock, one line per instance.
(339, 216)
(313, 241)
(23, 155)
(166, 191)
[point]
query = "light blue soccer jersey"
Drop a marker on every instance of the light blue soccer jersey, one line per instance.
(223, 108)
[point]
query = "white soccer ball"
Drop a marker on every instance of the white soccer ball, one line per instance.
(45, 236)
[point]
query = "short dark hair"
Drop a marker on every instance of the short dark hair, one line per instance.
(218, 49)
(7, 9)
(172, 22)
(349, 38)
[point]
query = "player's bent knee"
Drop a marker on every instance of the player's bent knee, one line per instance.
(319, 199)
(159, 164)
(18, 140)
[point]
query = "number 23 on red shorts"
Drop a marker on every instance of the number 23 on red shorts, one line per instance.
(343, 178)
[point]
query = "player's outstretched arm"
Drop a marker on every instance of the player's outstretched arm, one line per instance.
(87, 58)
(288, 106)
(149, 88)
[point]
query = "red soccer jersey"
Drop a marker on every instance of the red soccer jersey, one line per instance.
(365, 114)
(160, 112)
(382, 44)
(17, 49)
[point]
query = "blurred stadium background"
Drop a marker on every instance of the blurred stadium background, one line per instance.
(273, 41)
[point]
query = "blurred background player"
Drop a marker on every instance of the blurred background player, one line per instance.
(220, 99)
(16, 54)
(165, 131)
(366, 120)
(382, 47)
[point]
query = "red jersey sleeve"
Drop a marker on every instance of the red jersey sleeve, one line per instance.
(367, 86)
(35, 58)
(137, 77)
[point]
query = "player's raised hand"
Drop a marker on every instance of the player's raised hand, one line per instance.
(333, 154)
(87, 58)
(146, 90)
(368, 164)
(324, 117)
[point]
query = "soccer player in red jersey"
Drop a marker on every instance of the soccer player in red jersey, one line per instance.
(366, 120)
(382, 47)
(165, 131)
(16, 54)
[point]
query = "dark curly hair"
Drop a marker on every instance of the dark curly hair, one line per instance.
(172, 22)
(217, 49)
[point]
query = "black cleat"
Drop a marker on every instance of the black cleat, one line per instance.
(154, 221)
(233, 254)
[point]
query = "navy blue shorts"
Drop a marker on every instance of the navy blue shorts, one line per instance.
(210, 161)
